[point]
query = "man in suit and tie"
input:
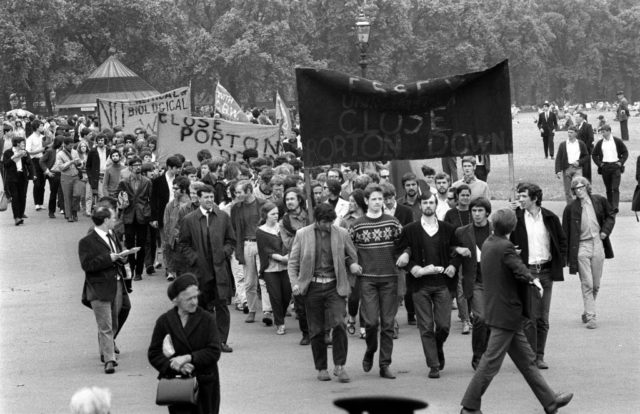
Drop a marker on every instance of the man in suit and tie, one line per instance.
(207, 242)
(547, 124)
(504, 277)
(136, 189)
(585, 134)
(104, 289)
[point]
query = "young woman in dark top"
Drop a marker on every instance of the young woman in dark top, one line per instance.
(273, 264)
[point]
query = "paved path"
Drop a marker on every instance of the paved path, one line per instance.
(48, 346)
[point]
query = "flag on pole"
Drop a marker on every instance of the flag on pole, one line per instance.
(227, 106)
(283, 115)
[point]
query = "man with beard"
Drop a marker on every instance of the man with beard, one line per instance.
(470, 239)
(136, 189)
(442, 182)
(433, 271)
(97, 165)
(113, 174)
(293, 220)
(410, 198)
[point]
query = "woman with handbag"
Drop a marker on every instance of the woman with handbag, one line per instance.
(185, 343)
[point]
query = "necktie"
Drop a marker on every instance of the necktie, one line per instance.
(111, 243)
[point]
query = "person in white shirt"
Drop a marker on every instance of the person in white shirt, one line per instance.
(35, 148)
(571, 157)
(610, 154)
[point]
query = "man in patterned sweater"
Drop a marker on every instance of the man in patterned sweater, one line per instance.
(375, 236)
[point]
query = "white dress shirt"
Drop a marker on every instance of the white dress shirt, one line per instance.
(430, 229)
(609, 150)
(573, 151)
(537, 238)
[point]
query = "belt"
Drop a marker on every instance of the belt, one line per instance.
(250, 240)
(540, 267)
(323, 279)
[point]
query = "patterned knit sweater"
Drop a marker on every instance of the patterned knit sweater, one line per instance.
(375, 239)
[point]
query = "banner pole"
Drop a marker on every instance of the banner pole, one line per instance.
(512, 178)
(307, 190)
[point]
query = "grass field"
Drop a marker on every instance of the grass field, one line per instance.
(530, 164)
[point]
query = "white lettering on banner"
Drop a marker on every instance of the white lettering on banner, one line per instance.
(188, 135)
(142, 113)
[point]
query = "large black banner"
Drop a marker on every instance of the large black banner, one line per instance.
(346, 118)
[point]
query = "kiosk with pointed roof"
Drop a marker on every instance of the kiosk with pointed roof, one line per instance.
(113, 81)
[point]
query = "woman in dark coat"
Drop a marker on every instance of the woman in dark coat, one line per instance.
(185, 342)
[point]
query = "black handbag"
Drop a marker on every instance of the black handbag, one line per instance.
(531, 301)
(178, 390)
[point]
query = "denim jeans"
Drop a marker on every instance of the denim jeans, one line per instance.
(538, 329)
(378, 305)
(433, 314)
(590, 264)
(322, 301)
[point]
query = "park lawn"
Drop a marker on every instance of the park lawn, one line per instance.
(530, 164)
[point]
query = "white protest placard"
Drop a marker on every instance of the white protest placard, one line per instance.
(187, 135)
(143, 113)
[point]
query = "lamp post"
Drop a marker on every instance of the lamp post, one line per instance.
(363, 27)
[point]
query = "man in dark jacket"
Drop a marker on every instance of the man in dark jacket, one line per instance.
(571, 160)
(547, 124)
(207, 241)
(104, 289)
(588, 242)
(610, 154)
(543, 248)
(585, 134)
(504, 277)
(97, 165)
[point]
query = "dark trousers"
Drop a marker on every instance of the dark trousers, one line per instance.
(515, 344)
(301, 313)
(135, 235)
(537, 330)
(321, 298)
(547, 143)
(624, 131)
(480, 331)
(586, 167)
(151, 245)
(433, 314)
(482, 173)
(18, 192)
(38, 183)
(54, 188)
(211, 302)
(611, 176)
(123, 314)
(279, 289)
(353, 303)
(378, 305)
(409, 306)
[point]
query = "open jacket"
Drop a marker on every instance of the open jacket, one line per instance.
(302, 258)
(558, 240)
(572, 220)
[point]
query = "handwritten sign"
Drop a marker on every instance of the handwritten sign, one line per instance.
(346, 118)
(187, 135)
(143, 113)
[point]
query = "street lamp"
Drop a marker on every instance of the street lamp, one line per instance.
(363, 27)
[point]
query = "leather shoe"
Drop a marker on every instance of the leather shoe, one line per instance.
(469, 411)
(434, 372)
(150, 270)
(323, 375)
(367, 362)
(561, 400)
(225, 348)
(305, 340)
(137, 277)
(109, 367)
(341, 373)
(267, 318)
(541, 364)
(385, 372)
